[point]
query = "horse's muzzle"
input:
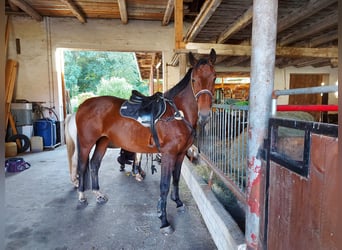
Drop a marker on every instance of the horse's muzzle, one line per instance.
(203, 118)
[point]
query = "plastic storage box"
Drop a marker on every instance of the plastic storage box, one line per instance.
(46, 128)
(22, 113)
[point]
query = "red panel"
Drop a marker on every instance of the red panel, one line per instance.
(304, 212)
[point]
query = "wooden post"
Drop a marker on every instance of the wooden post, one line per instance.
(10, 77)
(264, 33)
(179, 24)
(182, 65)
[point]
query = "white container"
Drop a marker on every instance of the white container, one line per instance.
(36, 144)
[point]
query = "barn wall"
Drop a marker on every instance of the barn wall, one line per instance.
(282, 79)
(37, 79)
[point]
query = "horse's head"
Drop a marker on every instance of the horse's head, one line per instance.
(203, 84)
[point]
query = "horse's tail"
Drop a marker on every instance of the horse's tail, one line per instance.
(70, 133)
(86, 171)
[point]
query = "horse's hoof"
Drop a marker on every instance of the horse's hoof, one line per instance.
(167, 230)
(138, 177)
(143, 174)
(181, 209)
(101, 200)
(82, 204)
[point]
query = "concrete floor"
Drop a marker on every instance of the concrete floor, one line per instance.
(42, 213)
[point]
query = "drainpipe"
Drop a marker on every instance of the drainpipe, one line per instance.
(264, 34)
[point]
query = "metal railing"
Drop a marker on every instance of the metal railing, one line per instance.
(223, 145)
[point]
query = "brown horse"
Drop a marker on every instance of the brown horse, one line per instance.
(99, 122)
(70, 134)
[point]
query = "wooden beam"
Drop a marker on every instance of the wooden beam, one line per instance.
(202, 18)
(13, 6)
(10, 78)
(221, 49)
(311, 8)
(168, 12)
(235, 61)
(302, 13)
(123, 11)
(323, 24)
(241, 23)
(6, 35)
(179, 24)
(307, 52)
(174, 60)
(27, 9)
(317, 41)
(245, 50)
(74, 9)
(302, 62)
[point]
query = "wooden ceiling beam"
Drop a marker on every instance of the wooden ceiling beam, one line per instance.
(13, 6)
(202, 18)
(325, 38)
(74, 9)
(123, 11)
(302, 13)
(323, 24)
(235, 61)
(241, 23)
(21, 4)
(168, 12)
(245, 50)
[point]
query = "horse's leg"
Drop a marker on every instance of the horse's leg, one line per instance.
(175, 182)
(95, 163)
(70, 141)
(83, 173)
(137, 171)
(167, 163)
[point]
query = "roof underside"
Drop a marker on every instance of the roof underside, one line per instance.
(306, 31)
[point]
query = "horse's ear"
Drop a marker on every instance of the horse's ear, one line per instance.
(212, 57)
(192, 59)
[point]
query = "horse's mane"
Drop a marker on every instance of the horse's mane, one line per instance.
(171, 93)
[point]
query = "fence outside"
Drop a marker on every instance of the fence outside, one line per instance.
(223, 145)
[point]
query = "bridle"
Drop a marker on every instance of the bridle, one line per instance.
(201, 92)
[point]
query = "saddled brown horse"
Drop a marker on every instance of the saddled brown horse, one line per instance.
(99, 121)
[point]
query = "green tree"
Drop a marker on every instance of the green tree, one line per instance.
(115, 87)
(85, 69)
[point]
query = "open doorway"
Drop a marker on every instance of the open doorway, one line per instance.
(87, 73)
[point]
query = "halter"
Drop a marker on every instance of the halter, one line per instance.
(201, 92)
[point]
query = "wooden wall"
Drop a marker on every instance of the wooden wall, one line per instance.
(304, 213)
